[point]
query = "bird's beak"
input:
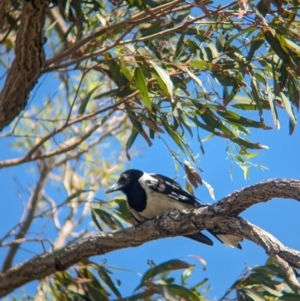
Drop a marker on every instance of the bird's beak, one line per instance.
(114, 187)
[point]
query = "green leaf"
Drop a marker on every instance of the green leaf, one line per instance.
(127, 73)
(254, 295)
(276, 43)
(122, 209)
(210, 118)
(142, 86)
(256, 43)
(245, 107)
(291, 46)
(249, 144)
(164, 75)
(213, 121)
(259, 78)
(94, 218)
(220, 42)
(103, 273)
(179, 291)
(115, 71)
(85, 101)
(235, 118)
(227, 98)
(262, 8)
(196, 79)
(243, 99)
(111, 93)
(225, 79)
(201, 283)
(201, 65)
(294, 91)
(171, 265)
(130, 141)
(189, 187)
(204, 126)
(148, 29)
(211, 50)
(142, 296)
(108, 218)
(273, 107)
(136, 123)
(192, 45)
(173, 133)
(161, 84)
(290, 112)
(283, 76)
(255, 95)
(179, 44)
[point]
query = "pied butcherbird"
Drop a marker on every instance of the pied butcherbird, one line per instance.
(149, 195)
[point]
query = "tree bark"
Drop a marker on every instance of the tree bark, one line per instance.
(28, 63)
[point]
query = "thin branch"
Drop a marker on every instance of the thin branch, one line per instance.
(45, 168)
(117, 41)
(186, 24)
(167, 8)
(33, 155)
(77, 91)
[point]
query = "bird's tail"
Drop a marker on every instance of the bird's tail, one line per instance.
(229, 240)
(200, 238)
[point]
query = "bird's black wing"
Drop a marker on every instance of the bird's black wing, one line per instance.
(172, 189)
(165, 186)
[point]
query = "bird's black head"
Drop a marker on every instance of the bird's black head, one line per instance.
(127, 179)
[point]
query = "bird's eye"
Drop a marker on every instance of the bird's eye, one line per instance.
(122, 179)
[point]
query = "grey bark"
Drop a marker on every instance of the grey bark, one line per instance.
(28, 63)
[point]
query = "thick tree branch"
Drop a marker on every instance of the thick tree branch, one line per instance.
(28, 63)
(238, 201)
(169, 224)
(288, 270)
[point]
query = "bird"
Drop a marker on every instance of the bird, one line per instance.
(149, 195)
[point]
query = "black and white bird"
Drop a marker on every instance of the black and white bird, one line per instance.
(149, 195)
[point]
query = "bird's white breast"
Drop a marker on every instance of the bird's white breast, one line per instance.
(158, 203)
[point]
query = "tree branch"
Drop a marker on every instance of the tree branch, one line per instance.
(238, 201)
(36, 197)
(33, 155)
(172, 223)
(28, 63)
(55, 63)
(139, 17)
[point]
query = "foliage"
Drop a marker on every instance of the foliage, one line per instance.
(120, 70)
(266, 282)
(89, 281)
(171, 68)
